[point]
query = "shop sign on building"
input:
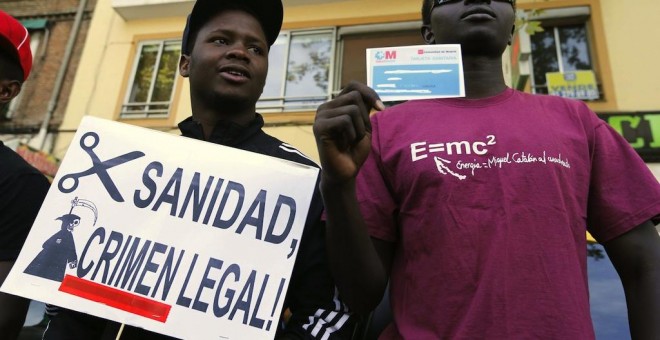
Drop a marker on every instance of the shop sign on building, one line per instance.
(575, 84)
(640, 129)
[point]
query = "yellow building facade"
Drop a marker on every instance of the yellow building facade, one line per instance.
(128, 70)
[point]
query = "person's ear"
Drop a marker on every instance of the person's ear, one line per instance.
(184, 66)
(9, 89)
(513, 31)
(427, 34)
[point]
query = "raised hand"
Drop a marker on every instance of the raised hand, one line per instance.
(343, 132)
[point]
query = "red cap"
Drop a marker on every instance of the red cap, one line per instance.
(14, 38)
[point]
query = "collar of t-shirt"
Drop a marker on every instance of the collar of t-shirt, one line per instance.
(224, 133)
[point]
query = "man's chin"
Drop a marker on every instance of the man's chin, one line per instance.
(234, 102)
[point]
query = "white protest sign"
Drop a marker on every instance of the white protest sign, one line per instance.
(416, 72)
(167, 233)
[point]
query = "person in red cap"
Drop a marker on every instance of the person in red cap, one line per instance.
(22, 187)
(16, 53)
(225, 48)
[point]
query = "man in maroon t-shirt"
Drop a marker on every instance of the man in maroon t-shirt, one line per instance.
(475, 209)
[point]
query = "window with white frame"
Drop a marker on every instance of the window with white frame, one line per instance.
(563, 46)
(300, 71)
(153, 79)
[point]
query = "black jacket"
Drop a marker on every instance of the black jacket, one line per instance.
(22, 190)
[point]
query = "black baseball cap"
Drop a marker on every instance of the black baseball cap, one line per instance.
(269, 13)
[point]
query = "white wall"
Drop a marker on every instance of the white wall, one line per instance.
(655, 169)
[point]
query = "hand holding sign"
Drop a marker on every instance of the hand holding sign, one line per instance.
(343, 132)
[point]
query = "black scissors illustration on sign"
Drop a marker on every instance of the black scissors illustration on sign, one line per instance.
(88, 142)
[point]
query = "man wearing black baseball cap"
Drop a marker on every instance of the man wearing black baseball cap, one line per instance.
(225, 48)
(22, 187)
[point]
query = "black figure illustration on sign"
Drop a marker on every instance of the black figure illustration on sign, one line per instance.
(60, 249)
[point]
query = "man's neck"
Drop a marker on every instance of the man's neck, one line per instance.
(483, 76)
(209, 118)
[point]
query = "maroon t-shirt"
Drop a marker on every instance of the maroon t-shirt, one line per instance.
(488, 202)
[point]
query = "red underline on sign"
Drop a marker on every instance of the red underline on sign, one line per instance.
(131, 303)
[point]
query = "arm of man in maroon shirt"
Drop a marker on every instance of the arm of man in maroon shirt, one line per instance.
(360, 264)
(636, 257)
